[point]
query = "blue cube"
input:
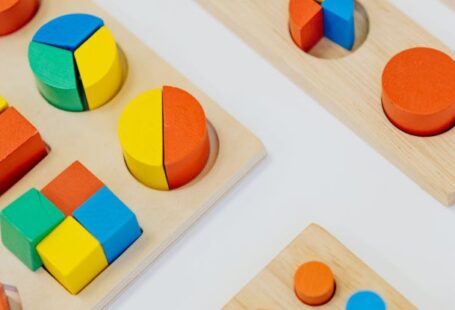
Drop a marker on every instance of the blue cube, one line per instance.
(110, 221)
(339, 22)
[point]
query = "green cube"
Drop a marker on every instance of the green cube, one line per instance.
(25, 222)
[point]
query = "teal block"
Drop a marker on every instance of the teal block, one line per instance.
(27, 221)
(56, 76)
(339, 24)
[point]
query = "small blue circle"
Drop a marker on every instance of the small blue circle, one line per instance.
(365, 300)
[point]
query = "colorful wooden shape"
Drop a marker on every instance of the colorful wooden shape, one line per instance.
(365, 300)
(72, 255)
(141, 137)
(3, 104)
(4, 303)
(68, 31)
(21, 147)
(25, 222)
(110, 221)
(418, 91)
(186, 141)
(339, 22)
(55, 75)
(16, 13)
(99, 67)
(305, 23)
(314, 283)
(71, 188)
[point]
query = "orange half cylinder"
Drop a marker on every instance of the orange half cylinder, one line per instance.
(305, 23)
(16, 13)
(186, 141)
(418, 91)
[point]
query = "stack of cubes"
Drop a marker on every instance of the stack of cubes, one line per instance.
(75, 226)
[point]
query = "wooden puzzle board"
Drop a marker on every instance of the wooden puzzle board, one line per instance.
(91, 137)
(350, 87)
(273, 287)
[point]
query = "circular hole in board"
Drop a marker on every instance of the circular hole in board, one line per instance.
(327, 49)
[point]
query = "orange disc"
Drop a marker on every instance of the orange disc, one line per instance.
(186, 141)
(305, 23)
(314, 283)
(418, 91)
(16, 13)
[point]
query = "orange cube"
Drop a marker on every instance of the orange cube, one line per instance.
(71, 188)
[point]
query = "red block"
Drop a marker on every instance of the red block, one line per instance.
(21, 147)
(71, 188)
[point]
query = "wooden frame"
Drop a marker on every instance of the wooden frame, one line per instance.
(91, 137)
(350, 87)
(273, 287)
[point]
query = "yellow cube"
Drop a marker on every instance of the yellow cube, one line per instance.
(72, 255)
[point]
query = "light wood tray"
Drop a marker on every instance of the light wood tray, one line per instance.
(350, 87)
(273, 287)
(91, 137)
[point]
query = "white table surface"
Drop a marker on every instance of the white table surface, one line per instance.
(317, 171)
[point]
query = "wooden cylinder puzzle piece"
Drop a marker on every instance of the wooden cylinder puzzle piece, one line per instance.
(141, 137)
(418, 91)
(164, 137)
(365, 300)
(76, 62)
(99, 67)
(21, 147)
(16, 13)
(314, 283)
(186, 141)
(310, 20)
(305, 23)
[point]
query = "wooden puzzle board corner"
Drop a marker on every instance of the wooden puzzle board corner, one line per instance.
(273, 287)
(91, 137)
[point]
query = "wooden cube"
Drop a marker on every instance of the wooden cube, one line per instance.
(21, 147)
(25, 222)
(71, 188)
(110, 221)
(72, 255)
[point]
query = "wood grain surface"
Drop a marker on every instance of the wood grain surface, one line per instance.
(350, 87)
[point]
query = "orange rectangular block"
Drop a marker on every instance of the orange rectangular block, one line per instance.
(21, 147)
(71, 188)
(4, 304)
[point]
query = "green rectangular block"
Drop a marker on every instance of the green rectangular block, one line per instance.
(27, 221)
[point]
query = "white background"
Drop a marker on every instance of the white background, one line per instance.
(317, 171)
